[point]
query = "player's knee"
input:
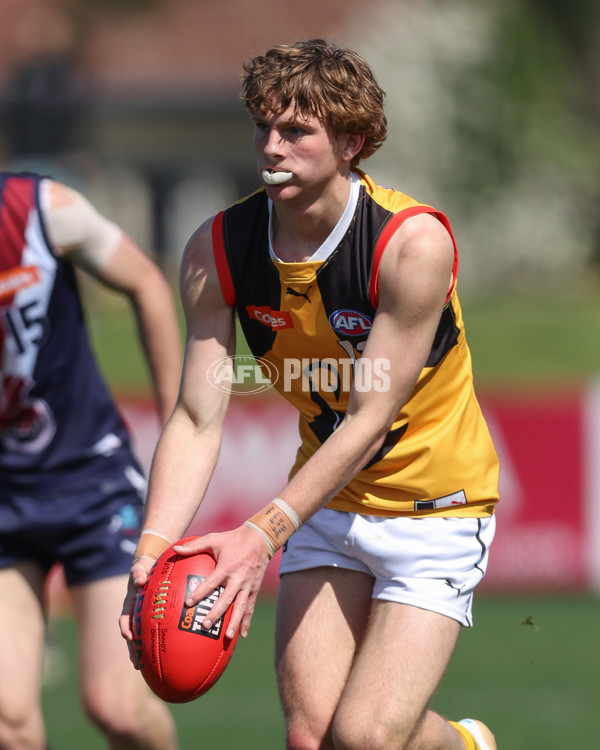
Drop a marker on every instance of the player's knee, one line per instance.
(22, 734)
(121, 729)
(357, 734)
(112, 717)
(302, 737)
(141, 721)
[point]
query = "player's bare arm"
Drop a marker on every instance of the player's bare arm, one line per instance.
(189, 445)
(97, 245)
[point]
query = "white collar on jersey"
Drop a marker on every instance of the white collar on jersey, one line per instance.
(340, 229)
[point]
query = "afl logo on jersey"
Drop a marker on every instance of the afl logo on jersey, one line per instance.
(350, 322)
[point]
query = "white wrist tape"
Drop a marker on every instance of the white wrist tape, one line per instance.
(275, 523)
(156, 533)
(289, 511)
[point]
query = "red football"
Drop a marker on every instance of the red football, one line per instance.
(179, 659)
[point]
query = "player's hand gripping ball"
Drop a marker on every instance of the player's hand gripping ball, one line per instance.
(178, 658)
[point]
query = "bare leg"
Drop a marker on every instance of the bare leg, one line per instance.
(114, 694)
(321, 616)
(346, 686)
(400, 664)
(21, 649)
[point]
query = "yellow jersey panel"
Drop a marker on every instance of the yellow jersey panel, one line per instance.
(310, 322)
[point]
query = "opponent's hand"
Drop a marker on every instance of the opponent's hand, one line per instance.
(137, 578)
(242, 558)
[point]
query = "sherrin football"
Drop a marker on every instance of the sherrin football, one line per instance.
(178, 658)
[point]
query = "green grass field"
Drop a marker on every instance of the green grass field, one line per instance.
(536, 685)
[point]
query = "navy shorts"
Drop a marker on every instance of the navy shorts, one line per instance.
(91, 530)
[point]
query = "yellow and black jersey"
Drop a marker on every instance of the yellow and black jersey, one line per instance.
(309, 321)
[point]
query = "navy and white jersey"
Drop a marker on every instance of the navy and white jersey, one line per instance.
(59, 424)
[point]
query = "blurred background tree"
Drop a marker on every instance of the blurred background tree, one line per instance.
(492, 121)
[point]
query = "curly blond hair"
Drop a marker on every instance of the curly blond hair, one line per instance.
(321, 80)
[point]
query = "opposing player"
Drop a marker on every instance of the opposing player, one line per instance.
(347, 290)
(71, 491)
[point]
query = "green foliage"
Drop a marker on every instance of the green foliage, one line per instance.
(494, 123)
(546, 104)
(575, 20)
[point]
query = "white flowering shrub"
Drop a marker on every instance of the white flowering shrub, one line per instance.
(482, 124)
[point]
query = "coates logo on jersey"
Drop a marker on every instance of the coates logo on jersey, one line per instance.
(350, 322)
(273, 319)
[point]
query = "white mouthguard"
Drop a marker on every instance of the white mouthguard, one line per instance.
(276, 178)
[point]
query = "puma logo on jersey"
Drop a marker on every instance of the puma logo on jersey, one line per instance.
(350, 322)
(273, 319)
(294, 293)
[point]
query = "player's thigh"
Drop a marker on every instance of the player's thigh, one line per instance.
(22, 630)
(402, 659)
(321, 618)
(107, 675)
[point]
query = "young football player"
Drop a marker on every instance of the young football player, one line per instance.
(348, 290)
(71, 490)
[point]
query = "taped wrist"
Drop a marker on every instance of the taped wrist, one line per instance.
(151, 544)
(275, 524)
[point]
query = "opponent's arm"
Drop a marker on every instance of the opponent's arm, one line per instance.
(82, 235)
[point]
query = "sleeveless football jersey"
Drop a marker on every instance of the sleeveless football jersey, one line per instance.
(308, 322)
(58, 422)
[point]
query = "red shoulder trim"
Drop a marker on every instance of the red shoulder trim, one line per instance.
(384, 238)
(17, 198)
(223, 271)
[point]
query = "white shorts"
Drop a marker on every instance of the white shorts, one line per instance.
(431, 563)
